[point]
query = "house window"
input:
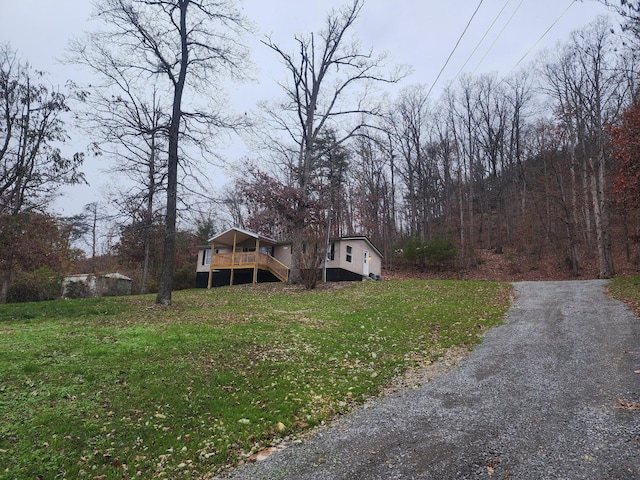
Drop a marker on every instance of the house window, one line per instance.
(349, 257)
(331, 253)
(206, 257)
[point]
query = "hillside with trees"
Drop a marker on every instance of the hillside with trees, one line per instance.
(523, 166)
(532, 175)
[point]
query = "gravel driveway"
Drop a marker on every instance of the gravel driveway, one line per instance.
(549, 395)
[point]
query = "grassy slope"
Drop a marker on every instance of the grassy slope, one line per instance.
(106, 388)
(627, 289)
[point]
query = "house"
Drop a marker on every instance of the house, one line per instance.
(239, 256)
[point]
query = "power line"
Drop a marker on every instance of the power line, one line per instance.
(499, 35)
(455, 48)
(543, 35)
(555, 22)
(482, 40)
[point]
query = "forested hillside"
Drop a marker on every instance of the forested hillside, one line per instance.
(530, 174)
(523, 165)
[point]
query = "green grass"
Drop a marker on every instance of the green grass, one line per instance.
(115, 388)
(627, 289)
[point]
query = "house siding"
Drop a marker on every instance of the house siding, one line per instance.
(359, 246)
(200, 267)
(282, 253)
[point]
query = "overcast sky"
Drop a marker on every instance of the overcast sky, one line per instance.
(421, 33)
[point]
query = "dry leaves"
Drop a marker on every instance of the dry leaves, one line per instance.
(623, 404)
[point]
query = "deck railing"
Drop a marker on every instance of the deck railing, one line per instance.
(248, 260)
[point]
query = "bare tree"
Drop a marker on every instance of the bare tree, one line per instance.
(408, 123)
(32, 166)
(589, 90)
(178, 46)
(461, 107)
(372, 196)
(630, 12)
(328, 84)
(128, 123)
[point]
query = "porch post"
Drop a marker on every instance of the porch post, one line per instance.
(255, 267)
(233, 256)
(213, 250)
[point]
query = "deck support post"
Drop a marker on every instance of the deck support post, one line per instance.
(233, 256)
(257, 256)
(213, 252)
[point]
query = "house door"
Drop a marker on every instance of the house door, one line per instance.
(365, 265)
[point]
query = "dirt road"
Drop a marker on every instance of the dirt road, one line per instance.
(549, 395)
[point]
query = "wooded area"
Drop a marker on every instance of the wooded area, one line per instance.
(540, 165)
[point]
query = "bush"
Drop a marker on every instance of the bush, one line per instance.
(184, 278)
(412, 250)
(77, 290)
(36, 286)
(310, 263)
(437, 251)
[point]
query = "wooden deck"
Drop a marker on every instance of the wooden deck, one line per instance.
(238, 260)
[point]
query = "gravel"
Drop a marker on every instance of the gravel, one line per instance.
(551, 394)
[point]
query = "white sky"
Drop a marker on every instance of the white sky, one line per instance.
(421, 33)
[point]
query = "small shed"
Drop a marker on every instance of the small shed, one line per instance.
(96, 285)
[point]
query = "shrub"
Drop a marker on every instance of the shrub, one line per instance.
(184, 278)
(436, 251)
(36, 286)
(77, 290)
(412, 250)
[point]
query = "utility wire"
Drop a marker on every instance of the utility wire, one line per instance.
(481, 40)
(544, 35)
(499, 35)
(455, 48)
(504, 78)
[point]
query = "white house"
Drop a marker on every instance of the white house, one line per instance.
(239, 256)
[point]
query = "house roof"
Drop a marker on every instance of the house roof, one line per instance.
(359, 237)
(85, 276)
(118, 276)
(226, 237)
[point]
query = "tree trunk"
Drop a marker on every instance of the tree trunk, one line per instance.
(586, 212)
(168, 254)
(6, 276)
(145, 262)
(6, 280)
(149, 216)
(463, 246)
(603, 234)
(297, 239)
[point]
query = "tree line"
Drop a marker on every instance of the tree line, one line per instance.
(540, 161)
(527, 161)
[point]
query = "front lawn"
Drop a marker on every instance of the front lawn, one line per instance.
(119, 388)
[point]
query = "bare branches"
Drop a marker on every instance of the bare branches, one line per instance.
(169, 47)
(326, 93)
(328, 77)
(31, 124)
